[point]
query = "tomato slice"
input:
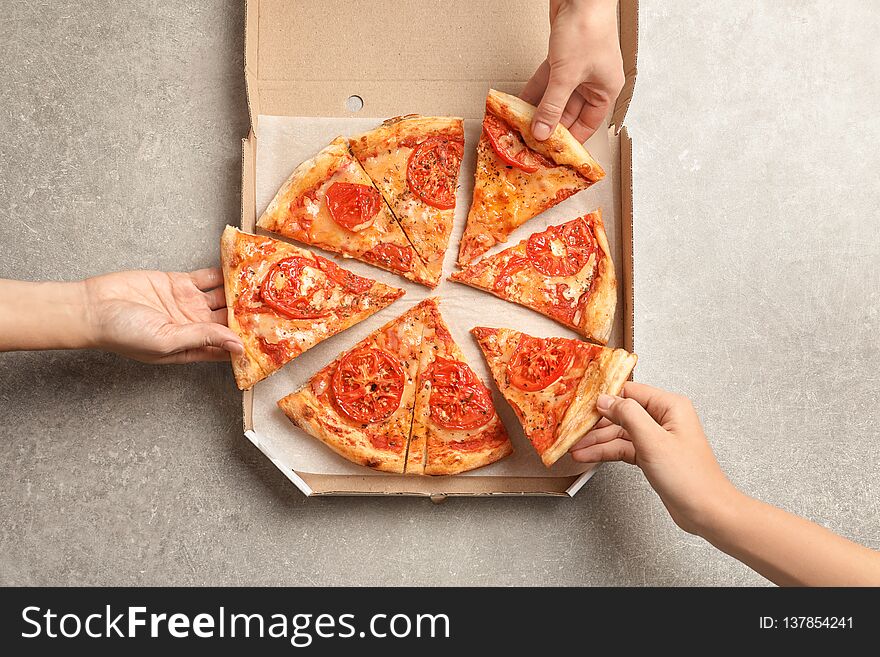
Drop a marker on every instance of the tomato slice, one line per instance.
(561, 250)
(285, 290)
(368, 385)
(458, 399)
(432, 171)
(353, 206)
(391, 256)
(349, 280)
(539, 362)
(510, 147)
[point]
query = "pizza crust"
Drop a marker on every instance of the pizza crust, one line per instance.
(312, 172)
(598, 315)
(561, 147)
(248, 366)
(306, 412)
(403, 128)
(605, 375)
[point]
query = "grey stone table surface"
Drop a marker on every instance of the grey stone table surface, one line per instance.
(757, 146)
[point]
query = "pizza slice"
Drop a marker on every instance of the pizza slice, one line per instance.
(564, 272)
(518, 177)
(329, 202)
(553, 383)
(455, 426)
(283, 300)
(361, 404)
(414, 161)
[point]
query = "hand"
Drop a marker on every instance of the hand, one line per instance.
(661, 433)
(160, 317)
(583, 72)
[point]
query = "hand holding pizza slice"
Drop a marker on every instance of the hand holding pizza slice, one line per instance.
(552, 383)
(518, 177)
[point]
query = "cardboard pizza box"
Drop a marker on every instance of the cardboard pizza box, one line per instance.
(339, 58)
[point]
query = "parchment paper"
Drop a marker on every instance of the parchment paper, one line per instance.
(283, 142)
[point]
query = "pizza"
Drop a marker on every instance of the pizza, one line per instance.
(518, 177)
(564, 272)
(552, 383)
(330, 202)
(414, 161)
(361, 404)
(393, 402)
(283, 300)
(455, 426)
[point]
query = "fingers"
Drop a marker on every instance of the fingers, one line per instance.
(654, 400)
(589, 119)
(534, 88)
(207, 279)
(198, 335)
(600, 435)
(220, 316)
(572, 110)
(216, 298)
(629, 414)
(615, 450)
(205, 354)
(560, 85)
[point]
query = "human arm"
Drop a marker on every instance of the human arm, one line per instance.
(583, 72)
(661, 433)
(151, 316)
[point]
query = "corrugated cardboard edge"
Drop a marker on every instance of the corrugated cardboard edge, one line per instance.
(625, 179)
(628, 28)
(441, 487)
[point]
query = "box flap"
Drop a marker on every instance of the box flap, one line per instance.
(309, 58)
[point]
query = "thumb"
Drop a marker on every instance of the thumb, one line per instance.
(197, 335)
(630, 415)
(556, 95)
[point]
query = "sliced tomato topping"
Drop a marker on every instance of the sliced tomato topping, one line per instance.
(287, 291)
(539, 362)
(368, 385)
(561, 250)
(458, 399)
(353, 206)
(349, 280)
(432, 171)
(513, 265)
(390, 256)
(510, 147)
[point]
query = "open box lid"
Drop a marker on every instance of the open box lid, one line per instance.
(385, 52)
(309, 58)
